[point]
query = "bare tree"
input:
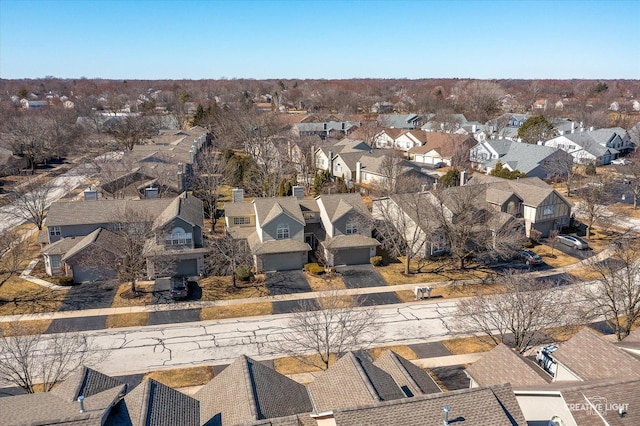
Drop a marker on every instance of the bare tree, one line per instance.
(562, 167)
(131, 131)
(30, 202)
(482, 98)
(592, 208)
(226, 255)
(29, 138)
(330, 325)
(208, 176)
(28, 359)
(14, 252)
(470, 228)
(404, 225)
(615, 293)
(552, 239)
(631, 173)
(391, 168)
(518, 316)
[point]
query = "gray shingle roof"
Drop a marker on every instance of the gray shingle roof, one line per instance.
(154, 404)
(247, 391)
(504, 365)
(101, 211)
(338, 205)
(61, 246)
(287, 245)
(591, 357)
(524, 157)
(406, 374)
(267, 209)
(532, 190)
(186, 207)
(350, 241)
(352, 381)
(495, 406)
(101, 237)
(61, 406)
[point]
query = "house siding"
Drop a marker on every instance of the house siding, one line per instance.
(270, 230)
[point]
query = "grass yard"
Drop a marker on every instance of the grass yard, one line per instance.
(324, 282)
(431, 271)
(404, 351)
(236, 311)
(555, 260)
(24, 327)
(302, 364)
(561, 334)
(135, 319)
(145, 288)
(469, 345)
(221, 288)
(625, 210)
(182, 377)
(24, 297)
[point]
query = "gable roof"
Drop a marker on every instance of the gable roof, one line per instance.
(406, 374)
(101, 211)
(494, 406)
(247, 390)
(402, 121)
(353, 380)
(186, 207)
(532, 191)
(525, 157)
(503, 365)
(591, 357)
(61, 404)
(267, 209)
(338, 205)
(153, 404)
(444, 143)
(104, 238)
(592, 142)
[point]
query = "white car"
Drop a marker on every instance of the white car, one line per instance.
(573, 241)
(621, 162)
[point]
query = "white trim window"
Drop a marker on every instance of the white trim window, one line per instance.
(179, 238)
(55, 262)
(352, 228)
(55, 231)
(242, 220)
(282, 232)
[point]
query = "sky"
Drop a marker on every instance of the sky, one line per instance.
(307, 39)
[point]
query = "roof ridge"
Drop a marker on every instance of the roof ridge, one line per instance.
(395, 359)
(363, 375)
(249, 386)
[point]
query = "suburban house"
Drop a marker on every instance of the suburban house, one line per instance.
(349, 149)
(78, 232)
(506, 126)
(11, 164)
(441, 148)
(595, 383)
(381, 170)
(542, 207)
(597, 146)
(325, 129)
(281, 232)
(400, 121)
(532, 160)
(165, 161)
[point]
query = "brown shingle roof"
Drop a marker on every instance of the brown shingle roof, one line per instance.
(186, 207)
(337, 205)
(352, 381)
(591, 357)
(496, 406)
(504, 365)
(247, 391)
(267, 209)
(444, 143)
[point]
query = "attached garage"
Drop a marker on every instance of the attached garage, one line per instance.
(83, 274)
(356, 256)
(282, 261)
(187, 267)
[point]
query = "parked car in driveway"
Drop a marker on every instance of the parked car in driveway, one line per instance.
(573, 241)
(530, 258)
(621, 161)
(179, 288)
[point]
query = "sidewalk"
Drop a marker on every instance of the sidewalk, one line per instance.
(185, 306)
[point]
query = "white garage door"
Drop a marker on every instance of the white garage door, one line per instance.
(283, 261)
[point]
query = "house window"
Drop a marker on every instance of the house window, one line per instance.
(282, 232)
(54, 231)
(352, 228)
(548, 210)
(241, 221)
(118, 227)
(309, 216)
(55, 262)
(179, 238)
(338, 168)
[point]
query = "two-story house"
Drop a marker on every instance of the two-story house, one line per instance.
(597, 146)
(77, 231)
(282, 232)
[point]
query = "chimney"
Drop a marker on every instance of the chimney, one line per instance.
(331, 162)
(81, 401)
(591, 129)
(445, 419)
(90, 194)
(463, 177)
(343, 126)
(474, 128)
(237, 195)
(358, 171)
(573, 127)
(298, 192)
(151, 193)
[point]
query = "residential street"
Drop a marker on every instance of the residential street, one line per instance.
(61, 186)
(134, 350)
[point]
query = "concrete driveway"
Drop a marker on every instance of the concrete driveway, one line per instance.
(96, 295)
